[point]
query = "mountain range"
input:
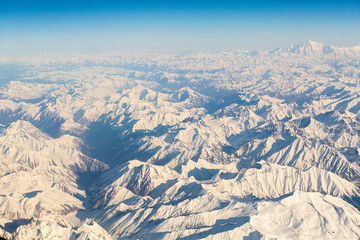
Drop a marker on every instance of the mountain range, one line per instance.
(226, 145)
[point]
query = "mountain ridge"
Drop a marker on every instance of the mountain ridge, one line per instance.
(227, 145)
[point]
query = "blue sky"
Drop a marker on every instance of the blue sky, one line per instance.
(93, 26)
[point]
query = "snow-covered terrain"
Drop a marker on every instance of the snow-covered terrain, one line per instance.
(228, 145)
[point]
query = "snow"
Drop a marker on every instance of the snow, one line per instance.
(228, 145)
(307, 216)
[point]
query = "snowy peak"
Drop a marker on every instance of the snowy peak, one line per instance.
(308, 48)
(183, 94)
(24, 147)
(276, 180)
(302, 216)
(89, 230)
(24, 129)
(188, 95)
(312, 48)
(139, 177)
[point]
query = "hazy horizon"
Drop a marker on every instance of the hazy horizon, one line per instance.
(95, 26)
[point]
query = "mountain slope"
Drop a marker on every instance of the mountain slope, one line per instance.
(226, 145)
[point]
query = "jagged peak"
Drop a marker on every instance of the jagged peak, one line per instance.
(137, 169)
(133, 163)
(314, 44)
(307, 48)
(318, 48)
(186, 93)
(21, 124)
(24, 129)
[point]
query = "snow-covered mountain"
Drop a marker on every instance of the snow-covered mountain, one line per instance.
(228, 145)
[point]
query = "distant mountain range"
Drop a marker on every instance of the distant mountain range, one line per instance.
(227, 145)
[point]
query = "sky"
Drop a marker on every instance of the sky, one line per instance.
(36, 26)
